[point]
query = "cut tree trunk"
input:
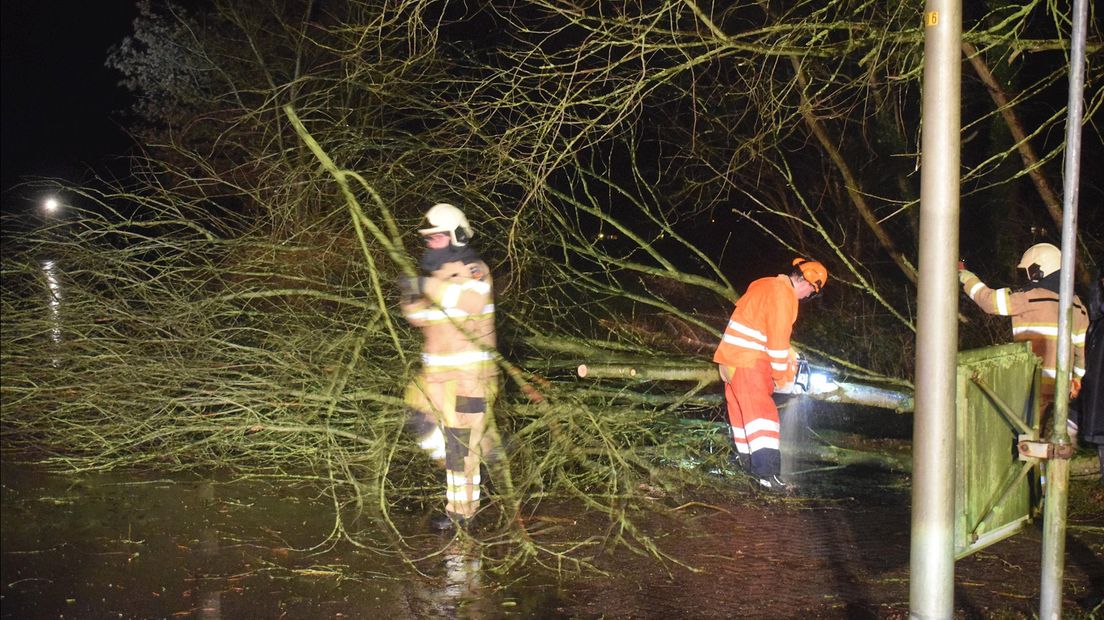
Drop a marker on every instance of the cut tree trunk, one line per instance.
(823, 388)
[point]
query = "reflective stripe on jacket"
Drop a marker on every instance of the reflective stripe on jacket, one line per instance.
(759, 328)
(1034, 313)
(456, 316)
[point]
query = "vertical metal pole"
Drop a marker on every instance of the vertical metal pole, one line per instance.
(931, 563)
(1054, 513)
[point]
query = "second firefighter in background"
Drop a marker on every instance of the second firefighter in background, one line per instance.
(452, 302)
(755, 358)
(1034, 312)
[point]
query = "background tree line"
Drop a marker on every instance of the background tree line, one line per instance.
(712, 142)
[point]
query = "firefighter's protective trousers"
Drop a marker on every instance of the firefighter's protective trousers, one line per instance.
(753, 416)
(450, 419)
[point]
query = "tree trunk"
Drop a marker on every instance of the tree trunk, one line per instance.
(817, 385)
(1030, 160)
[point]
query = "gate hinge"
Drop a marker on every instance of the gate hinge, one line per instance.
(1034, 448)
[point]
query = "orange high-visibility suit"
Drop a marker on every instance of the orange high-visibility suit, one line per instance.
(451, 398)
(754, 356)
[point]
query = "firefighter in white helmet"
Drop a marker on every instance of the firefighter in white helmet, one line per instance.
(1034, 312)
(452, 302)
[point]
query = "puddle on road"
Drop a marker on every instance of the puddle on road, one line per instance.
(127, 546)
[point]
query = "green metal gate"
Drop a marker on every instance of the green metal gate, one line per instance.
(997, 405)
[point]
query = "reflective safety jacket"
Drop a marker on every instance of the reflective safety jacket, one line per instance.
(1034, 313)
(759, 329)
(456, 315)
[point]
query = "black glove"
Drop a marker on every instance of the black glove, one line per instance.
(411, 288)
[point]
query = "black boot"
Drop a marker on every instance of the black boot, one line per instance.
(449, 521)
(775, 484)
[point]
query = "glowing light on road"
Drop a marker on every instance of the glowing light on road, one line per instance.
(53, 301)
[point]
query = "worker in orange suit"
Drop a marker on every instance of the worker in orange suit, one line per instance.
(755, 359)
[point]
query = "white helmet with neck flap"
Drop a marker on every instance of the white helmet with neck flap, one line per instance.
(446, 218)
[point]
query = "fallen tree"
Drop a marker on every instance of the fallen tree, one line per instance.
(628, 168)
(817, 384)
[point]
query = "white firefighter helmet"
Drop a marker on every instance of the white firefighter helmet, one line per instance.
(1041, 260)
(445, 218)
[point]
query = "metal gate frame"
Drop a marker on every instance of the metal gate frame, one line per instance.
(997, 407)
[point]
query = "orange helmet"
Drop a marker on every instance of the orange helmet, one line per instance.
(813, 272)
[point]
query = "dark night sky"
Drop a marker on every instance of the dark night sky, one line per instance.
(62, 108)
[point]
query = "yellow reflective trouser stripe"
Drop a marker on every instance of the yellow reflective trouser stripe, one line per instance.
(448, 407)
(462, 493)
